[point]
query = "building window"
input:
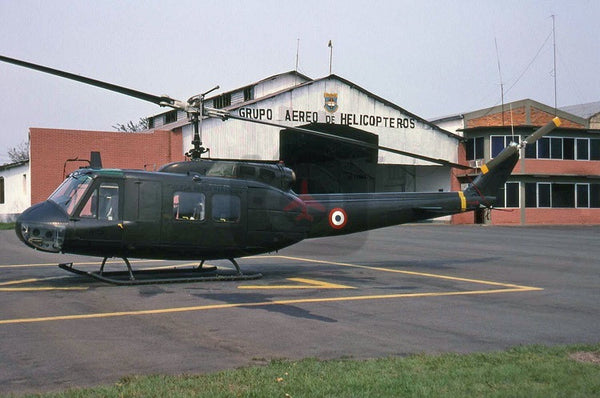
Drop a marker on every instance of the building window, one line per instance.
(1, 190)
(543, 148)
(583, 151)
(544, 198)
(569, 148)
(249, 93)
(583, 195)
(222, 101)
(474, 148)
(556, 148)
(595, 195)
(499, 142)
(594, 149)
(562, 195)
(150, 122)
(530, 194)
(531, 151)
(509, 196)
(171, 116)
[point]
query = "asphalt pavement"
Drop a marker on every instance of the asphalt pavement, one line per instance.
(395, 291)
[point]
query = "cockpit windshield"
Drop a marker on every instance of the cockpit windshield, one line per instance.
(70, 192)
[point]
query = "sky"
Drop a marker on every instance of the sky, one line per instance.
(432, 58)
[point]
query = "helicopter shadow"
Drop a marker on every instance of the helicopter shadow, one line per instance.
(252, 298)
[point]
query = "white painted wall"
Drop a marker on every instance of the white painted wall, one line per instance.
(17, 188)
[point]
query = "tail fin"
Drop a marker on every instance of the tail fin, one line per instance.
(495, 173)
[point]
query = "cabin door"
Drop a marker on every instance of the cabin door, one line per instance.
(142, 215)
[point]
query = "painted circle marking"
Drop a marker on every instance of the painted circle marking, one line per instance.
(337, 218)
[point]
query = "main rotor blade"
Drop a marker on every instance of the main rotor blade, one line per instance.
(159, 100)
(363, 144)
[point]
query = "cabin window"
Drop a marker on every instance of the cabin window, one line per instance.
(226, 208)
(1, 190)
(103, 203)
(189, 206)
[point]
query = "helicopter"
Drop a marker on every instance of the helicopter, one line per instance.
(205, 209)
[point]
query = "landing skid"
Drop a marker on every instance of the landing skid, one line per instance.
(156, 276)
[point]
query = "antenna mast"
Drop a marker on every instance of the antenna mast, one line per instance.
(501, 83)
(554, 47)
(330, 45)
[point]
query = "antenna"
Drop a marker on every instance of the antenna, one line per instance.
(330, 45)
(501, 83)
(512, 125)
(554, 47)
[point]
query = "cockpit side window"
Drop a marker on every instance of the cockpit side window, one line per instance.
(103, 203)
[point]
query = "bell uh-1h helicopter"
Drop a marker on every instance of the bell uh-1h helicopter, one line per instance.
(206, 209)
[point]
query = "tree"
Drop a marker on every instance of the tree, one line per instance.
(20, 153)
(132, 127)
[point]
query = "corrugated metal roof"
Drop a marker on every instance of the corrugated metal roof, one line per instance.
(585, 111)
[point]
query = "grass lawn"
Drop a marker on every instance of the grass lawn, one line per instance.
(531, 371)
(7, 225)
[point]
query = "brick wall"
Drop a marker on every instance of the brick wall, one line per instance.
(520, 117)
(50, 148)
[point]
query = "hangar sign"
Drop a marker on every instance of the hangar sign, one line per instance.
(289, 114)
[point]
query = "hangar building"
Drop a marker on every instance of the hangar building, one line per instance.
(331, 104)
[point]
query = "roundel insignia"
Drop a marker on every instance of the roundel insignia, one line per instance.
(337, 218)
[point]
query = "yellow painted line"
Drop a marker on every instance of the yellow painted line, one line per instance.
(507, 288)
(39, 289)
(306, 284)
(255, 304)
(398, 271)
(463, 201)
(33, 289)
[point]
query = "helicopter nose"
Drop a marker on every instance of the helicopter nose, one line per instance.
(42, 227)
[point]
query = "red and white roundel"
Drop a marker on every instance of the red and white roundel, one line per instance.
(337, 218)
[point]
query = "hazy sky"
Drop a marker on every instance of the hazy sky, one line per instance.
(433, 58)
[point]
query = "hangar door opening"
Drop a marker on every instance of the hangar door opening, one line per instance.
(324, 165)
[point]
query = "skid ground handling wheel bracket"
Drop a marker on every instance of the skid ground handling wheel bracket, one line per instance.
(157, 276)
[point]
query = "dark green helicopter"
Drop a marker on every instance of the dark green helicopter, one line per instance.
(208, 209)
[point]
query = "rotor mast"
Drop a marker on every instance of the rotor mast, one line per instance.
(195, 114)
